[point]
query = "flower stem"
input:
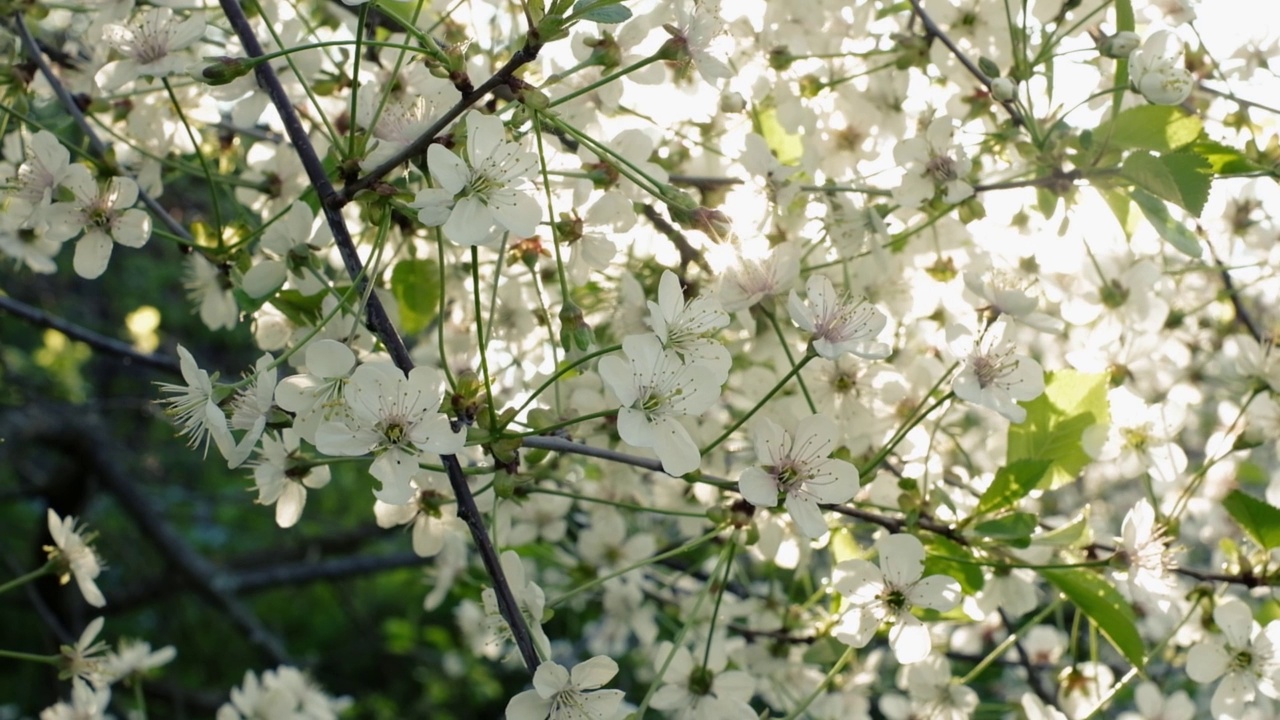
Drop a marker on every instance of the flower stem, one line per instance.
(822, 686)
(643, 62)
(46, 569)
(484, 354)
(42, 659)
(600, 580)
(795, 370)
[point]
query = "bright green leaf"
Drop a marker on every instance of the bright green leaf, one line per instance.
(1223, 160)
(1192, 174)
(1014, 529)
(1011, 484)
(415, 284)
(1147, 172)
(1121, 207)
(1159, 128)
(607, 12)
(1153, 208)
(962, 568)
(1072, 403)
(1104, 605)
(787, 147)
(1261, 520)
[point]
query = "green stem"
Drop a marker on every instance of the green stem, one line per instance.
(1124, 23)
(565, 371)
(484, 353)
(782, 340)
(637, 565)
(822, 686)
(715, 611)
(204, 164)
(46, 569)
(643, 62)
(795, 369)
(910, 423)
(1007, 643)
(42, 659)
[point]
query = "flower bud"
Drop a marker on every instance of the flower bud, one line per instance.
(1120, 44)
(223, 70)
(1004, 89)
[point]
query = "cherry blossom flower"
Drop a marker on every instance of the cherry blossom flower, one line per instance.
(693, 692)
(105, 216)
(250, 407)
(194, 408)
(1154, 705)
(1144, 545)
(316, 396)
(27, 244)
(931, 163)
(209, 288)
(47, 167)
(654, 388)
(682, 325)
(529, 598)
(133, 659)
(471, 200)
(87, 703)
(754, 279)
(150, 47)
(73, 556)
(396, 419)
(993, 376)
(283, 693)
(1156, 70)
(800, 471)
(877, 595)
(85, 660)
(1246, 656)
(560, 694)
(282, 476)
(434, 520)
(292, 245)
(1006, 294)
(838, 325)
(693, 36)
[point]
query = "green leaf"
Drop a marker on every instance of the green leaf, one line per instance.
(1160, 128)
(607, 12)
(1072, 403)
(787, 147)
(415, 284)
(1153, 208)
(1014, 529)
(1223, 160)
(302, 310)
(963, 568)
(1011, 484)
(1261, 520)
(1104, 605)
(1147, 172)
(1121, 206)
(1193, 176)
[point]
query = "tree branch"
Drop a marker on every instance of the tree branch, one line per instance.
(94, 340)
(376, 313)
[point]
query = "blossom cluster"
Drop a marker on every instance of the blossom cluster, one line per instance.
(748, 359)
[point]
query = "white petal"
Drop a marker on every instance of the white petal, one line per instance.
(675, 448)
(93, 252)
(807, 515)
(447, 169)
(910, 640)
(938, 592)
(290, 503)
(1236, 621)
(550, 678)
(758, 487)
(469, 224)
(901, 559)
(594, 672)
(1207, 661)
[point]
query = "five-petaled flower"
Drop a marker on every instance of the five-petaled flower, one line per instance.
(560, 694)
(654, 387)
(800, 470)
(1246, 656)
(394, 417)
(471, 200)
(837, 324)
(74, 557)
(888, 593)
(104, 214)
(994, 376)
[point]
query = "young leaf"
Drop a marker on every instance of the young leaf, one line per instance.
(1159, 128)
(1192, 174)
(1153, 208)
(1104, 605)
(607, 12)
(1011, 484)
(1257, 518)
(938, 562)
(1223, 160)
(1014, 529)
(415, 284)
(1072, 402)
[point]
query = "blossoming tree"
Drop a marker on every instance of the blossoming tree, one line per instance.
(720, 359)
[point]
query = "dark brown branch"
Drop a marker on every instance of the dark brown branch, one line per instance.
(525, 55)
(378, 320)
(94, 340)
(687, 254)
(934, 31)
(1242, 313)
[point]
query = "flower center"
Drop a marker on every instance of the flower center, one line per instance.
(941, 168)
(990, 368)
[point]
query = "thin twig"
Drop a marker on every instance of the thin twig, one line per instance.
(932, 28)
(1242, 313)
(525, 55)
(94, 340)
(95, 143)
(376, 313)
(688, 255)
